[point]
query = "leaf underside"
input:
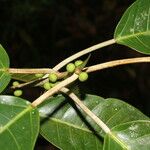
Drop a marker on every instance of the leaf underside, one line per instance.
(133, 30)
(66, 126)
(19, 124)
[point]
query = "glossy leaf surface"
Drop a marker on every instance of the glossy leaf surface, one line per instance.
(19, 124)
(131, 135)
(4, 64)
(133, 29)
(67, 126)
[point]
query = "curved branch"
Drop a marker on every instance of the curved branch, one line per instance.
(83, 52)
(74, 77)
(97, 120)
(54, 90)
(116, 63)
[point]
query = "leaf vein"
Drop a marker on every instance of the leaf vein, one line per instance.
(148, 19)
(141, 42)
(125, 24)
(14, 138)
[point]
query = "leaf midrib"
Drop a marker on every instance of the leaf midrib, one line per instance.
(13, 120)
(120, 142)
(132, 35)
(56, 120)
(111, 134)
(69, 124)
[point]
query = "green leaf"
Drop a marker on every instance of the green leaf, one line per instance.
(19, 124)
(133, 29)
(24, 77)
(4, 59)
(4, 64)
(66, 126)
(131, 135)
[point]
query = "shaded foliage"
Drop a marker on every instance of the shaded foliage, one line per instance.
(48, 31)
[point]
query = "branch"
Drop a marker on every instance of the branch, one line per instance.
(30, 71)
(54, 90)
(116, 63)
(27, 83)
(83, 52)
(95, 68)
(60, 75)
(61, 86)
(71, 79)
(97, 120)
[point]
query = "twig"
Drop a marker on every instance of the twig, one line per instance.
(26, 83)
(54, 90)
(60, 75)
(71, 79)
(30, 71)
(83, 52)
(97, 120)
(98, 67)
(117, 63)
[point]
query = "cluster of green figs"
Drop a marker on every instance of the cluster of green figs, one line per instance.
(54, 79)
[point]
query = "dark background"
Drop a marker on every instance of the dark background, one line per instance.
(41, 33)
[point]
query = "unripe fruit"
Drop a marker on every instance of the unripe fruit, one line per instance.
(53, 77)
(15, 83)
(39, 75)
(18, 92)
(78, 63)
(70, 67)
(83, 76)
(47, 86)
